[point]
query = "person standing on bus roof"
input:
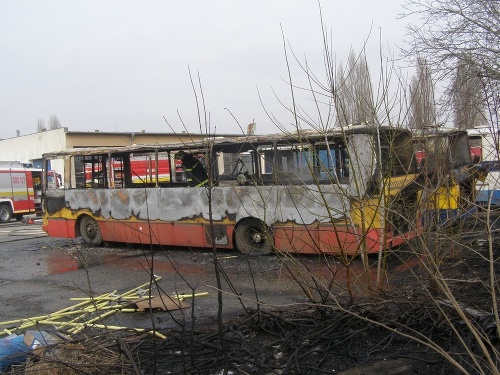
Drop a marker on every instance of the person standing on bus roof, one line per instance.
(196, 173)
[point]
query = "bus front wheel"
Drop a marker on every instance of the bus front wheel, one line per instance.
(253, 237)
(5, 213)
(90, 231)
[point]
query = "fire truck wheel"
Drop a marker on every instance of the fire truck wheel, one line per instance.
(253, 237)
(5, 213)
(90, 231)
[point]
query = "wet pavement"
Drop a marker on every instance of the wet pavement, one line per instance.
(40, 275)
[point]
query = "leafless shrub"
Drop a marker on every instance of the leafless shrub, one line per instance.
(422, 105)
(450, 33)
(353, 92)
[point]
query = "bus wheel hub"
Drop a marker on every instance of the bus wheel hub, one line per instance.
(257, 237)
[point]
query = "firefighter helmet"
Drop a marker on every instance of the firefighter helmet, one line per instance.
(179, 155)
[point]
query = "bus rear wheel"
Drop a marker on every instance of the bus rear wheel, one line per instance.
(5, 213)
(253, 237)
(90, 231)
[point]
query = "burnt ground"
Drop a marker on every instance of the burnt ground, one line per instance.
(387, 330)
(371, 334)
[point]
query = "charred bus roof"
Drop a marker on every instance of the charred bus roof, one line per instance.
(387, 133)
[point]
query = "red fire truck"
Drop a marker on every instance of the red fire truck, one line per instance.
(143, 170)
(20, 190)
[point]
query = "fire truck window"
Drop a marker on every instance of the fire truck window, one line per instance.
(91, 171)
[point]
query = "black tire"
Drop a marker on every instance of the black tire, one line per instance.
(5, 213)
(90, 231)
(253, 237)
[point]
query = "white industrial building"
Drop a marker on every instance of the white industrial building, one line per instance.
(30, 148)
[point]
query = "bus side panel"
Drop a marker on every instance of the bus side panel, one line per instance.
(178, 216)
(166, 233)
(137, 232)
(296, 238)
(349, 240)
(324, 239)
(60, 227)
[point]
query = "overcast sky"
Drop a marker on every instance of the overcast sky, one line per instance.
(123, 65)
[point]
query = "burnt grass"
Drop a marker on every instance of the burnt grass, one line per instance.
(383, 331)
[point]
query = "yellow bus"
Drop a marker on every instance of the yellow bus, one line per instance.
(349, 190)
(449, 176)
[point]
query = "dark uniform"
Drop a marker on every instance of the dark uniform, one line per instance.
(195, 172)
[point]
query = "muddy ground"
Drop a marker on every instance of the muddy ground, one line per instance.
(273, 322)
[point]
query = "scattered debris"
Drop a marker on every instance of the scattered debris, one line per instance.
(183, 296)
(12, 351)
(31, 219)
(161, 302)
(24, 336)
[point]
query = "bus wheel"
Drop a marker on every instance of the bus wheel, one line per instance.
(253, 237)
(5, 213)
(90, 231)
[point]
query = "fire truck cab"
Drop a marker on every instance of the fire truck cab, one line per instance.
(20, 190)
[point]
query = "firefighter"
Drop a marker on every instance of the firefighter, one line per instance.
(195, 172)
